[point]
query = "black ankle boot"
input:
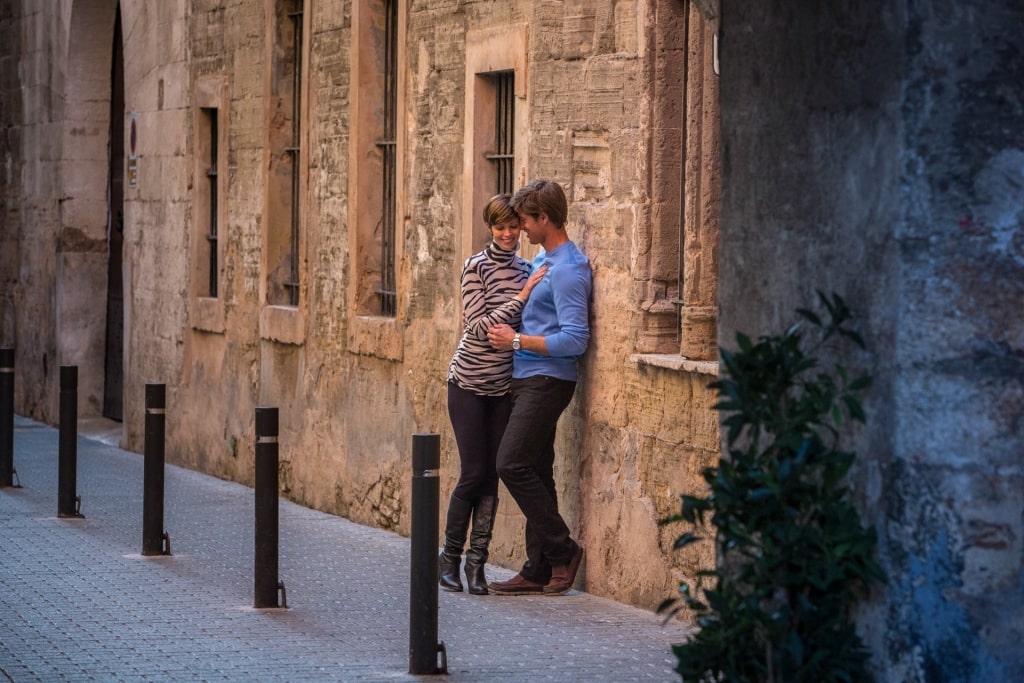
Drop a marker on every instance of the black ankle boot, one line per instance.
(455, 528)
(479, 543)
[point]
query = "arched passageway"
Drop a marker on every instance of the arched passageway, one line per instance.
(88, 331)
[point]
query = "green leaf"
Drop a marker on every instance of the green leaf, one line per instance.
(694, 508)
(743, 341)
(853, 407)
(854, 337)
(685, 540)
(785, 469)
(841, 371)
(666, 604)
(759, 495)
(860, 383)
(809, 315)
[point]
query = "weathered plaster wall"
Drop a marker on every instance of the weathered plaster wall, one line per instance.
(218, 381)
(959, 485)
(157, 211)
(10, 169)
(877, 153)
(33, 77)
(635, 436)
(57, 186)
(83, 173)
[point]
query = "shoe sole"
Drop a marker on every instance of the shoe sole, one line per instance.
(539, 590)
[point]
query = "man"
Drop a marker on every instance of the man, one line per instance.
(555, 332)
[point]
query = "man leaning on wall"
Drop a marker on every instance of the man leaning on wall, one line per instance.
(554, 334)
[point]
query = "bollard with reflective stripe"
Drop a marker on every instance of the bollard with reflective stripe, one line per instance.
(153, 535)
(68, 502)
(423, 645)
(266, 556)
(6, 417)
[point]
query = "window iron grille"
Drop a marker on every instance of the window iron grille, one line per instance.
(388, 148)
(292, 284)
(503, 157)
(211, 174)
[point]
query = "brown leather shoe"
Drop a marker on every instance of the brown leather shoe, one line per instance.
(563, 575)
(517, 585)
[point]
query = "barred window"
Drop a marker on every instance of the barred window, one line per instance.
(375, 178)
(209, 126)
(284, 215)
(503, 156)
(388, 149)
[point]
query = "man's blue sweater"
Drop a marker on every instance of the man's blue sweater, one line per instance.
(558, 309)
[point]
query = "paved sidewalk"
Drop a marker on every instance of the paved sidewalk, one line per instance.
(79, 603)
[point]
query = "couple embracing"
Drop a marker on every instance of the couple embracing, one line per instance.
(512, 375)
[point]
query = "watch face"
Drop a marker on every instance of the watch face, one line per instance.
(515, 343)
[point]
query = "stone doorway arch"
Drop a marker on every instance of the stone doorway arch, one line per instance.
(86, 214)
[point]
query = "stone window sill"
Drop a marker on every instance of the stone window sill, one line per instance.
(669, 361)
(284, 324)
(207, 315)
(375, 336)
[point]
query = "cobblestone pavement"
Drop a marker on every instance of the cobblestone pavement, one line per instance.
(78, 602)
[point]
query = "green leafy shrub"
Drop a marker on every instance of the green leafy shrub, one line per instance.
(793, 556)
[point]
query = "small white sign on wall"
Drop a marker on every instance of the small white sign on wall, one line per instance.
(133, 162)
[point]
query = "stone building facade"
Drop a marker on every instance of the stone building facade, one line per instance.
(267, 202)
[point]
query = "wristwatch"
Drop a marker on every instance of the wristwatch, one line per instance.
(515, 343)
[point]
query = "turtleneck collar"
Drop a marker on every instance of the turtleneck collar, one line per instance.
(496, 253)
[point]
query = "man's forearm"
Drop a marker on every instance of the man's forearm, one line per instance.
(533, 342)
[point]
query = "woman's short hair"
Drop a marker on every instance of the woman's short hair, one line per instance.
(499, 210)
(542, 196)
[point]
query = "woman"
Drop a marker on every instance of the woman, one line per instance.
(496, 283)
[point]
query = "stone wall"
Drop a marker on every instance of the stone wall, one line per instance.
(10, 170)
(876, 153)
(31, 194)
(353, 390)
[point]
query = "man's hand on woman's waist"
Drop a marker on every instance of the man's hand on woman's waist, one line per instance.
(501, 337)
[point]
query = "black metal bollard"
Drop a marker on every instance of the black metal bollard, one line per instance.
(423, 645)
(68, 502)
(266, 582)
(153, 535)
(6, 417)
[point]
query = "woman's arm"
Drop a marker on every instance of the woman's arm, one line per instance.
(508, 313)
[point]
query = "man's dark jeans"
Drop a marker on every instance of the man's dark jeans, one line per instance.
(526, 460)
